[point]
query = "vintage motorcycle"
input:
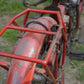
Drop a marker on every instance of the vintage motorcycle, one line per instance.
(39, 54)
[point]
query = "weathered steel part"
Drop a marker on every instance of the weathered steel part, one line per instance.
(66, 19)
(5, 64)
(62, 8)
(42, 21)
(22, 72)
(52, 59)
(39, 79)
(40, 70)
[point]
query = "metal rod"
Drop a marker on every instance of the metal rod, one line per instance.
(30, 30)
(21, 57)
(15, 23)
(50, 74)
(3, 30)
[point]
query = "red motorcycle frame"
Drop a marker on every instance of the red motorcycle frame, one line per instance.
(34, 59)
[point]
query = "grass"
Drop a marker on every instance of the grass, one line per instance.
(8, 7)
(74, 64)
(0, 27)
(48, 2)
(80, 69)
(11, 36)
(77, 46)
(13, 7)
(5, 48)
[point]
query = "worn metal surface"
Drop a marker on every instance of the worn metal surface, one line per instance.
(38, 79)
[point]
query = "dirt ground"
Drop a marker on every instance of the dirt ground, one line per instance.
(70, 73)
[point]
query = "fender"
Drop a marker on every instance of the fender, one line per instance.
(22, 72)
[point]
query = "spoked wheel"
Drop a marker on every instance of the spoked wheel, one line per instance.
(76, 17)
(74, 25)
(72, 30)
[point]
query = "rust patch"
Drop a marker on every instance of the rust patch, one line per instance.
(18, 52)
(19, 64)
(15, 78)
